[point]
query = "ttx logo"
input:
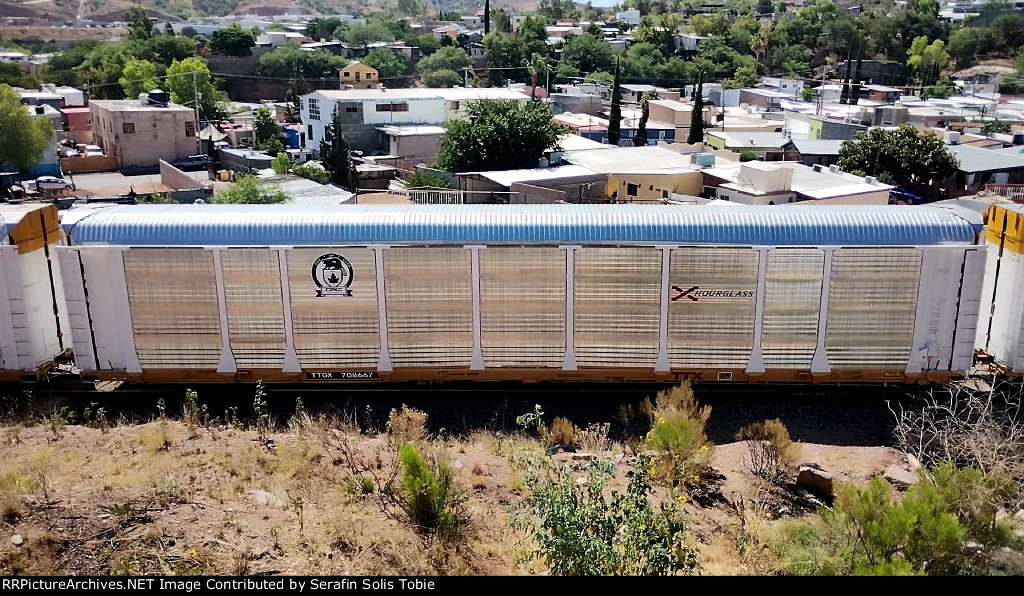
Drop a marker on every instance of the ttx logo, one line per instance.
(685, 293)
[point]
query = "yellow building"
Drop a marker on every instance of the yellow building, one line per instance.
(359, 76)
(652, 186)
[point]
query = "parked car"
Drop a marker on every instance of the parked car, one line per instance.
(53, 183)
(901, 196)
(91, 150)
(192, 162)
(69, 152)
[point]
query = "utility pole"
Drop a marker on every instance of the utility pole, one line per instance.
(195, 94)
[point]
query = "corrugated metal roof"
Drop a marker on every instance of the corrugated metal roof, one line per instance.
(11, 216)
(262, 225)
(974, 159)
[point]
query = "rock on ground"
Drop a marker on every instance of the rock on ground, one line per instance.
(901, 478)
(816, 480)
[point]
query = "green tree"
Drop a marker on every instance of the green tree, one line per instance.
(697, 115)
(422, 179)
(454, 59)
(323, 28)
(904, 156)
(532, 36)
(501, 22)
(587, 54)
(13, 75)
(640, 139)
(390, 66)
(281, 164)
(139, 25)
(969, 43)
(334, 154)
(709, 25)
(537, 65)
(928, 60)
(615, 117)
(233, 41)
(502, 52)
(247, 190)
(498, 135)
(179, 82)
(189, 31)
(747, 155)
(744, 78)
(603, 78)
(1009, 29)
(290, 60)
(166, 49)
(992, 127)
(264, 126)
(426, 43)
(364, 35)
(441, 78)
(22, 138)
(297, 87)
(139, 77)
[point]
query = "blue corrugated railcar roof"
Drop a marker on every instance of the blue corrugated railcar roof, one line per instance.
(290, 225)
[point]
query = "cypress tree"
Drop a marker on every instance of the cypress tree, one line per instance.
(641, 130)
(334, 153)
(855, 89)
(697, 116)
(615, 118)
(487, 16)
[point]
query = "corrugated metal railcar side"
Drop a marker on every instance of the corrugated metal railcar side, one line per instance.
(537, 292)
(33, 318)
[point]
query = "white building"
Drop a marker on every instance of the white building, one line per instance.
(784, 182)
(793, 87)
(631, 16)
(16, 57)
(276, 39)
(362, 110)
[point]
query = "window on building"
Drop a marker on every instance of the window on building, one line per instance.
(664, 194)
(309, 131)
(190, 129)
(393, 107)
(369, 75)
(357, 75)
(632, 190)
(347, 74)
(314, 109)
(352, 108)
(455, 105)
(128, 127)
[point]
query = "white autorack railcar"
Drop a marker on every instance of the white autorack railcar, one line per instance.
(528, 292)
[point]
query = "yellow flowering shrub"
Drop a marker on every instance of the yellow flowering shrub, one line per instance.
(677, 441)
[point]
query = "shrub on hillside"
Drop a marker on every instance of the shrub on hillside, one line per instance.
(431, 496)
(772, 453)
(946, 524)
(577, 530)
(682, 452)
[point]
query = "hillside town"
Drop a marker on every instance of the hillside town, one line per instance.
(504, 287)
(787, 92)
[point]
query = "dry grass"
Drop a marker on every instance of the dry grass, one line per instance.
(407, 425)
(561, 432)
(170, 497)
